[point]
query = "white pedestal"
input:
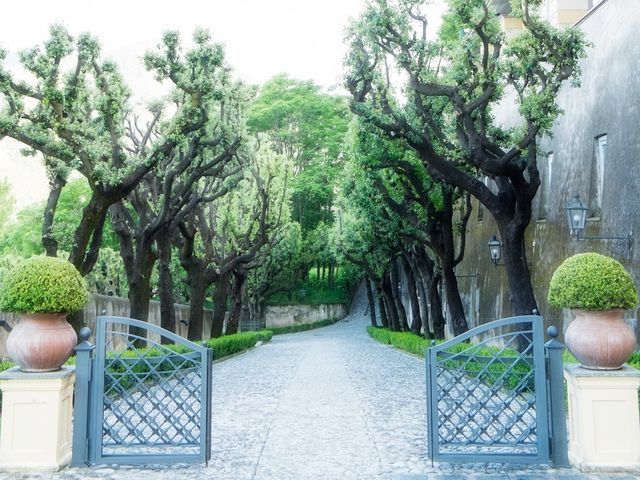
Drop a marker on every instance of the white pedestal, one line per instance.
(604, 425)
(36, 419)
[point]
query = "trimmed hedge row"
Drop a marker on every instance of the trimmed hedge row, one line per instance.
(417, 345)
(236, 343)
(302, 327)
(407, 341)
(222, 347)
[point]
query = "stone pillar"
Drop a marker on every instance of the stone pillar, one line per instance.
(36, 419)
(604, 424)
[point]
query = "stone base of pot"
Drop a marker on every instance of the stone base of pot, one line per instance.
(41, 342)
(600, 340)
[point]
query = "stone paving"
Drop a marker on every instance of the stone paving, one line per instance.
(325, 404)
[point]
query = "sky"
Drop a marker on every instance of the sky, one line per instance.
(262, 38)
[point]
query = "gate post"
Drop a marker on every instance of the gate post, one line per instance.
(557, 414)
(81, 413)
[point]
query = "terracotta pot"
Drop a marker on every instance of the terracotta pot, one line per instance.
(600, 340)
(41, 342)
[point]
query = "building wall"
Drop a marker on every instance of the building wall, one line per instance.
(289, 315)
(608, 102)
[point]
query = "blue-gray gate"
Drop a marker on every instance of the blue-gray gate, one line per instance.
(488, 401)
(141, 405)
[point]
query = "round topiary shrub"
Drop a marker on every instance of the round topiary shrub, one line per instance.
(590, 281)
(43, 285)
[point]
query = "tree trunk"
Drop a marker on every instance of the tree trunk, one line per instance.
(48, 240)
(395, 292)
(523, 301)
(221, 290)
(390, 307)
(236, 305)
(384, 319)
(432, 282)
(454, 302)
(138, 265)
(423, 298)
(88, 234)
(331, 273)
(372, 305)
(197, 296)
(165, 285)
(416, 319)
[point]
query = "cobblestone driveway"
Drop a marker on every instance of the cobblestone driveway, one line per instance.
(325, 404)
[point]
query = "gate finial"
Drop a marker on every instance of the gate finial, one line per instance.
(85, 333)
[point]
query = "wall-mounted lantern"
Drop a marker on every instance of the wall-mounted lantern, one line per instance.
(577, 218)
(495, 250)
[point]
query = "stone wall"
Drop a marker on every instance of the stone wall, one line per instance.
(288, 315)
(608, 102)
(119, 307)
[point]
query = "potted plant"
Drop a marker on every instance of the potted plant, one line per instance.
(598, 290)
(44, 290)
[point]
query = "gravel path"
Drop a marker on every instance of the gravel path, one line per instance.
(325, 404)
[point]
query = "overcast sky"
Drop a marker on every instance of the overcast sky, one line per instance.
(303, 38)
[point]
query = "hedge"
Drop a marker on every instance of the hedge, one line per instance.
(303, 327)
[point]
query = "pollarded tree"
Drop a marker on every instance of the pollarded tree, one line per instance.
(426, 206)
(200, 168)
(77, 118)
(222, 240)
(451, 87)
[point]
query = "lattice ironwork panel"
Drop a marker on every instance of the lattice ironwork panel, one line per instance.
(153, 402)
(487, 401)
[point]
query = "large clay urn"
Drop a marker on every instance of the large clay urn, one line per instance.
(600, 340)
(41, 342)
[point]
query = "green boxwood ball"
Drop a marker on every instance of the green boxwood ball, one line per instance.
(43, 285)
(590, 281)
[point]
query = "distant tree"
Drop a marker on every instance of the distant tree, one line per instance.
(222, 240)
(439, 97)
(307, 126)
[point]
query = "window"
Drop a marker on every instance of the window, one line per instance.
(597, 176)
(545, 186)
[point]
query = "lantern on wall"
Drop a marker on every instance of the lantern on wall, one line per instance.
(495, 250)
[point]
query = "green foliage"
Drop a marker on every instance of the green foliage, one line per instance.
(303, 327)
(265, 335)
(108, 276)
(634, 360)
(23, 236)
(43, 285)
(592, 281)
(6, 365)
(417, 345)
(407, 341)
(307, 126)
(231, 344)
(315, 291)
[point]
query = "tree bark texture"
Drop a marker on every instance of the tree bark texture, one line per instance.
(167, 309)
(372, 305)
(221, 289)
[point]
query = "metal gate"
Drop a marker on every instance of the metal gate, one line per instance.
(141, 405)
(488, 401)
